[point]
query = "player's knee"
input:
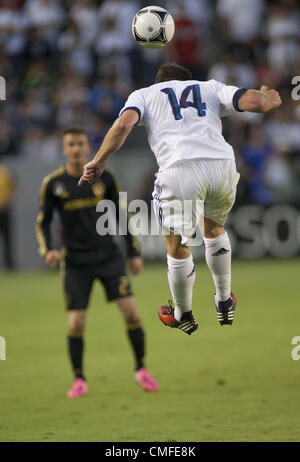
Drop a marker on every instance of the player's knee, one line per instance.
(179, 252)
(130, 313)
(214, 232)
(76, 326)
(174, 247)
(75, 330)
(132, 320)
(133, 323)
(211, 229)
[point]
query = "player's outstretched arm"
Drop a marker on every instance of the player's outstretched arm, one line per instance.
(113, 141)
(262, 100)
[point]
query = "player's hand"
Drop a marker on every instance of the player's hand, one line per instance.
(273, 95)
(91, 172)
(52, 258)
(135, 265)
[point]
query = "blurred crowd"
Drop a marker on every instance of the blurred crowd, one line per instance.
(75, 62)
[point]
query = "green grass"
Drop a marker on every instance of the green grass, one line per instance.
(235, 383)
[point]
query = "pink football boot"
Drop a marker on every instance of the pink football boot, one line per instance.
(145, 380)
(78, 389)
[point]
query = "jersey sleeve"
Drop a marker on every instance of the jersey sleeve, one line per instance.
(136, 102)
(44, 218)
(228, 96)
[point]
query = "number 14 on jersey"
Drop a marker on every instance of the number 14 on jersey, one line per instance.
(184, 103)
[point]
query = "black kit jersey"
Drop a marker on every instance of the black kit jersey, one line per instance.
(77, 210)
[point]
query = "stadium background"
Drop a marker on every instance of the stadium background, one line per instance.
(74, 62)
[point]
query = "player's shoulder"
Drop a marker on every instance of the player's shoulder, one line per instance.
(153, 90)
(55, 174)
(213, 84)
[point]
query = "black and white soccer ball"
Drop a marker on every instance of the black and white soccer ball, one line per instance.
(153, 27)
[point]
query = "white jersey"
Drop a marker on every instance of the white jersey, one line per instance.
(183, 119)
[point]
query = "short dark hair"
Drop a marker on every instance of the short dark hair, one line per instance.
(172, 71)
(75, 130)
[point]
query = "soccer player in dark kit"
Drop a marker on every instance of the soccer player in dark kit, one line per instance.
(86, 255)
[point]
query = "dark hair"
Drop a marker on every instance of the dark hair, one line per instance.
(75, 130)
(172, 71)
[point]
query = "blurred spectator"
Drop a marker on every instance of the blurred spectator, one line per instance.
(110, 47)
(115, 41)
(241, 19)
(74, 50)
(7, 190)
(198, 11)
(282, 128)
(36, 46)
(255, 155)
(39, 76)
(85, 15)
(69, 98)
(280, 177)
(51, 148)
(266, 74)
(13, 24)
(185, 46)
(283, 35)
(234, 69)
(31, 144)
(7, 143)
(199, 14)
(119, 14)
(47, 15)
(108, 95)
(97, 129)
(69, 62)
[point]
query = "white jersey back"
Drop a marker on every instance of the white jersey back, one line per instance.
(183, 119)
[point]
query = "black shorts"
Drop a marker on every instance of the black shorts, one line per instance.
(80, 269)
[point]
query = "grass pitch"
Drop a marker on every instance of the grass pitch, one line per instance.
(235, 383)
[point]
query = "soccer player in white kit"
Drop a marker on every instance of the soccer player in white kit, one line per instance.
(183, 120)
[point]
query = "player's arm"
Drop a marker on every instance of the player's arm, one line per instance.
(43, 222)
(262, 100)
(113, 141)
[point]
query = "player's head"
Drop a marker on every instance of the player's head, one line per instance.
(172, 71)
(76, 146)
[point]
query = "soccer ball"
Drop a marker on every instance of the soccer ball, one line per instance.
(153, 27)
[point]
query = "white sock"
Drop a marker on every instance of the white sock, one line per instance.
(218, 259)
(181, 275)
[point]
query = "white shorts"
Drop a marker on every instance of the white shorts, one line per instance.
(192, 189)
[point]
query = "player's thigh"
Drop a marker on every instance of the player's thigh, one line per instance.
(222, 191)
(77, 285)
(114, 279)
(178, 199)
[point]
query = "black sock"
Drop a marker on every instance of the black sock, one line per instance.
(137, 340)
(76, 352)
